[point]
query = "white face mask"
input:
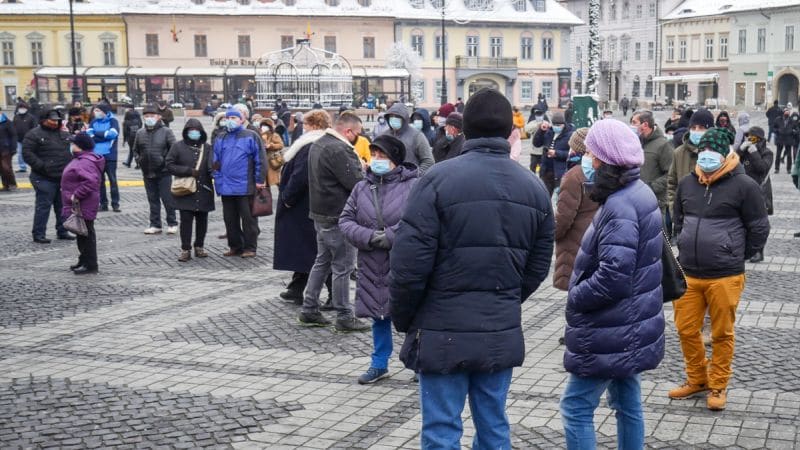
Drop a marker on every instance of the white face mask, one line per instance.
(22, 110)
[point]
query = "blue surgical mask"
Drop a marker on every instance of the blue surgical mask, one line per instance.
(449, 137)
(379, 166)
(417, 124)
(694, 136)
(586, 166)
(395, 123)
(231, 125)
(635, 129)
(709, 161)
(150, 121)
(557, 129)
(99, 115)
(193, 135)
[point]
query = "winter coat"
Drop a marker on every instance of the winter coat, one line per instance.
(721, 223)
(242, 162)
(426, 130)
(574, 213)
(181, 162)
(105, 140)
(297, 131)
(444, 149)
(8, 136)
(150, 149)
(131, 125)
(744, 126)
(460, 269)
(380, 128)
(756, 165)
(658, 154)
(359, 220)
(418, 150)
(684, 160)
(166, 115)
(23, 123)
(772, 114)
(47, 151)
(784, 129)
(615, 318)
(729, 126)
(81, 178)
(624, 103)
(333, 171)
(274, 145)
(547, 140)
(295, 237)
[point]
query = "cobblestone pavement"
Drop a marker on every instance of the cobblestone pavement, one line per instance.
(153, 353)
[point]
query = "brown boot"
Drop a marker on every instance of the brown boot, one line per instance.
(248, 254)
(199, 252)
(232, 252)
(186, 255)
(717, 399)
(687, 390)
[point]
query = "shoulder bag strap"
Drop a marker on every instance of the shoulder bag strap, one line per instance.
(375, 200)
(200, 158)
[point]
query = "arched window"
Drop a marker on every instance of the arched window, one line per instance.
(526, 45)
(547, 46)
(636, 86)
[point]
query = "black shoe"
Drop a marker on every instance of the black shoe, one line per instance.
(104, 208)
(66, 237)
(351, 324)
(315, 319)
(757, 258)
(75, 266)
(41, 240)
(797, 234)
(126, 165)
(116, 209)
(291, 295)
(84, 271)
(328, 306)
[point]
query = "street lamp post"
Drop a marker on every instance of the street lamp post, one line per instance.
(444, 59)
(76, 90)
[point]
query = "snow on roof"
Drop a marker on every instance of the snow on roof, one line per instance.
(498, 11)
(702, 8)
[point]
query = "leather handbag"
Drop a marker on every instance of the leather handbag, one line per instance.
(261, 205)
(75, 222)
(183, 186)
(673, 278)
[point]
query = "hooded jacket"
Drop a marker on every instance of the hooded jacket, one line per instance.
(8, 135)
(380, 128)
(46, 151)
(426, 130)
(359, 220)
(744, 126)
(150, 149)
(658, 155)
(105, 132)
(684, 160)
(720, 220)
(418, 150)
(181, 162)
(274, 144)
(81, 178)
(757, 160)
(242, 162)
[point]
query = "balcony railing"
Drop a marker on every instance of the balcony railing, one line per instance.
(478, 62)
(612, 66)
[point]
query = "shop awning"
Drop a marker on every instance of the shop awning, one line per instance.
(58, 71)
(379, 72)
(688, 78)
(200, 71)
(106, 72)
(154, 71)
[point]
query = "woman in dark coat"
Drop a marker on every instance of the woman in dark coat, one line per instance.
(757, 159)
(724, 121)
(8, 146)
(615, 318)
(182, 161)
(369, 221)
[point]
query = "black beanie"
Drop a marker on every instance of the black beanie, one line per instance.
(702, 117)
(487, 114)
(392, 147)
(83, 141)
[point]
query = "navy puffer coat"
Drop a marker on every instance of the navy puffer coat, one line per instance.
(359, 220)
(615, 318)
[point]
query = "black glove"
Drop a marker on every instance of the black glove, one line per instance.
(794, 180)
(380, 240)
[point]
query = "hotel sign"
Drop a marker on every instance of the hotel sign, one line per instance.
(232, 62)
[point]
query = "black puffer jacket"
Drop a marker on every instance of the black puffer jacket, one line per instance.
(460, 269)
(444, 149)
(23, 123)
(150, 149)
(47, 151)
(181, 161)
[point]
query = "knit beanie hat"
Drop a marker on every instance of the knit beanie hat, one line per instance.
(83, 141)
(756, 131)
(716, 139)
(487, 114)
(233, 112)
(702, 117)
(75, 111)
(391, 146)
(446, 109)
(613, 142)
(456, 120)
(577, 141)
(103, 106)
(558, 117)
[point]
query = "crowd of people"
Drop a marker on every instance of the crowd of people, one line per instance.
(447, 234)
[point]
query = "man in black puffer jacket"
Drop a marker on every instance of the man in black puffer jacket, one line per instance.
(150, 148)
(46, 150)
(475, 241)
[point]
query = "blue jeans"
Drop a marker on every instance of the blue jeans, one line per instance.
(20, 161)
(580, 399)
(382, 343)
(48, 195)
(442, 400)
(110, 171)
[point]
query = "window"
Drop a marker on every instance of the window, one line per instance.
(419, 90)
(625, 48)
(418, 43)
(109, 53)
(742, 42)
(438, 89)
(613, 10)
(682, 50)
(651, 50)
(638, 10)
(496, 47)
(330, 44)
(671, 50)
(8, 53)
(637, 51)
(365, 3)
(648, 86)
(151, 44)
(723, 47)
(651, 7)
(539, 5)
(244, 45)
(612, 48)
(526, 91)
(547, 48)
(369, 47)
(547, 89)
(243, 2)
(332, 2)
(198, 2)
(472, 46)
(760, 94)
(636, 86)
(520, 5)
(439, 46)
(709, 48)
(78, 52)
(762, 40)
(526, 47)
(578, 54)
(789, 45)
(200, 45)
(418, 4)
(626, 10)
(287, 41)
(37, 57)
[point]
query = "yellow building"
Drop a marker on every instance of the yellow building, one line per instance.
(36, 34)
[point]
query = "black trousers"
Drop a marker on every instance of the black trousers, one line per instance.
(87, 247)
(550, 181)
(201, 220)
(784, 151)
(300, 280)
(536, 162)
(240, 225)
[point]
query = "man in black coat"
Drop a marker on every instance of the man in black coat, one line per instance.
(24, 121)
(773, 113)
(46, 150)
(474, 243)
(150, 148)
(784, 140)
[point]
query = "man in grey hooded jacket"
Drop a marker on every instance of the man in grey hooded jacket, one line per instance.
(418, 150)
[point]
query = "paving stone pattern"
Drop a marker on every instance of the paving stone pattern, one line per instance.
(153, 353)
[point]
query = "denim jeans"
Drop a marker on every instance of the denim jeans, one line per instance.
(442, 401)
(158, 192)
(20, 161)
(48, 195)
(382, 343)
(580, 399)
(334, 255)
(110, 171)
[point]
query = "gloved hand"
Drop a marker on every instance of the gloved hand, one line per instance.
(111, 134)
(380, 240)
(90, 132)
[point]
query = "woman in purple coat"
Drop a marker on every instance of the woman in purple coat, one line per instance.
(369, 221)
(81, 181)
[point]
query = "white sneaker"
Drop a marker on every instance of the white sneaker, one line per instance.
(152, 230)
(172, 230)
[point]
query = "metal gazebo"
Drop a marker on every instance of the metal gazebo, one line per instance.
(303, 76)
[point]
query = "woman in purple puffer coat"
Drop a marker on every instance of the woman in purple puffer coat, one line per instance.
(81, 181)
(369, 221)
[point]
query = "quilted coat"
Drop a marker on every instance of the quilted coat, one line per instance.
(615, 318)
(359, 220)
(574, 213)
(81, 178)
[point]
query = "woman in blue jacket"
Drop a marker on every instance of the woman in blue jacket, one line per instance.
(615, 319)
(104, 129)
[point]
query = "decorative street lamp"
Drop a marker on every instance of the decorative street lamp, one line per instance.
(76, 89)
(443, 41)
